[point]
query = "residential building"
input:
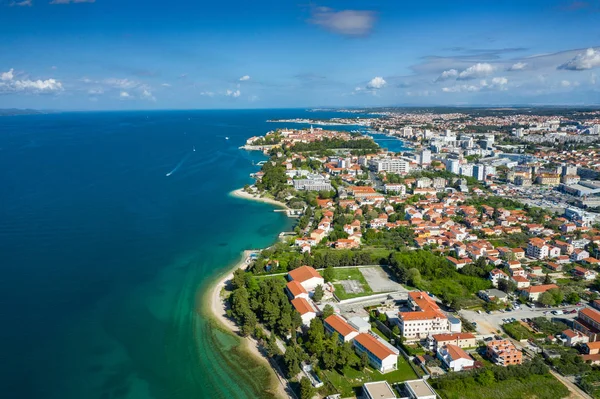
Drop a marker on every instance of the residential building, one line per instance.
(496, 275)
(378, 390)
(503, 353)
(537, 248)
(461, 339)
(419, 389)
(588, 323)
(572, 338)
(533, 293)
(584, 273)
(296, 290)
(425, 319)
(337, 324)
(455, 358)
(391, 165)
(493, 294)
(306, 309)
(381, 356)
(313, 183)
(307, 276)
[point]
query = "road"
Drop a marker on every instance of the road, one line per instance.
(576, 392)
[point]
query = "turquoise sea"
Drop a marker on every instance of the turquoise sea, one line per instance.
(105, 259)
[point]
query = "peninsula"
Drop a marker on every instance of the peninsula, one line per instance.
(401, 266)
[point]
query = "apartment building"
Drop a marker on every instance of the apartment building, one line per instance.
(503, 353)
(381, 356)
(588, 323)
(425, 319)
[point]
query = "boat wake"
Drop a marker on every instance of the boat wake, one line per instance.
(179, 164)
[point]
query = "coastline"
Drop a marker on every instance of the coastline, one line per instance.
(240, 193)
(217, 311)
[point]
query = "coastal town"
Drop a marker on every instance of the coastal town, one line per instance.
(464, 267)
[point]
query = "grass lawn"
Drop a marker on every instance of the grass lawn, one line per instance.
(518, 331)
(351, 273)
(532, 387)
(352, 378)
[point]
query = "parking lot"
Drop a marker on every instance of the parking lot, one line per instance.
(490, 323)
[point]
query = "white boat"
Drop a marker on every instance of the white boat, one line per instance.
(194, 148)
(226, 138)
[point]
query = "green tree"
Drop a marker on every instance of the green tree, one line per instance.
(328, 274)
(318, 294)
(328, 311)
(557, 295)
(414, 277)
(573, 298)
(306, 389)
(546, 299)
(364, 360)
(292, 361)
(547, 279)
(272, 348)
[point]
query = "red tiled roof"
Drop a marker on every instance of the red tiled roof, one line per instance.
(339, 325)
(302, 306)
(456, 352)
(303, 273)
(295, 288)
(371, 343)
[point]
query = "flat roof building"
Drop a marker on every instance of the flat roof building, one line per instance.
(379, 390)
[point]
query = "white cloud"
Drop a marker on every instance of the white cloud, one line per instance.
(124, 94)
(8, 84)
(582, 61)
(95, 92)
(461, 88)
(232, 93)
(345, 22)
(376, 83)
(449, 74)
(565, 83)
(71, 1)
(165, 85)
(476, 71)
(500, 81)
(244, 78)
(519, 66)
(207, 93)
(24, 3)
(121, 83)
(7, 75)
(147, 95)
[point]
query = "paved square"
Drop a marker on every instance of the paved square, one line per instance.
(352, 286)
(379, 280)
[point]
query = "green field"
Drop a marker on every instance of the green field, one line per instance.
(532, 387)
(518, 331)
(351, 273)
(352, 379)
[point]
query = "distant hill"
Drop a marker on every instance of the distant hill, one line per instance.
(15, 111)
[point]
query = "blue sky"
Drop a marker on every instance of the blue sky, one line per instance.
(147, 54)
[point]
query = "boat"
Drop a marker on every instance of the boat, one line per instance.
(226, 138)
(194, 148)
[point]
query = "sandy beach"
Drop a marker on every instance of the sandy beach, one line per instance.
(218, 310)
(240, 193)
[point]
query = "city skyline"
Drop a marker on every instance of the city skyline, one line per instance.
(106, 55)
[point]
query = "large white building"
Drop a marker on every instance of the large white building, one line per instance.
(425, 157)
(307, 276)
(382, 356)
(391, 165)
(425, 319)
(455, 358)
(453, 166)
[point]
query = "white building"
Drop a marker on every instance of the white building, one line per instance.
(306, 309)
(419, 389)
(453, 166)
(426, 319)
(378, 390)
(382, 356)
(455, 358)
(307, 276)
(391, 165)
(425, 157)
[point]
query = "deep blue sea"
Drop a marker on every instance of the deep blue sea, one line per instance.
(104, 258)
